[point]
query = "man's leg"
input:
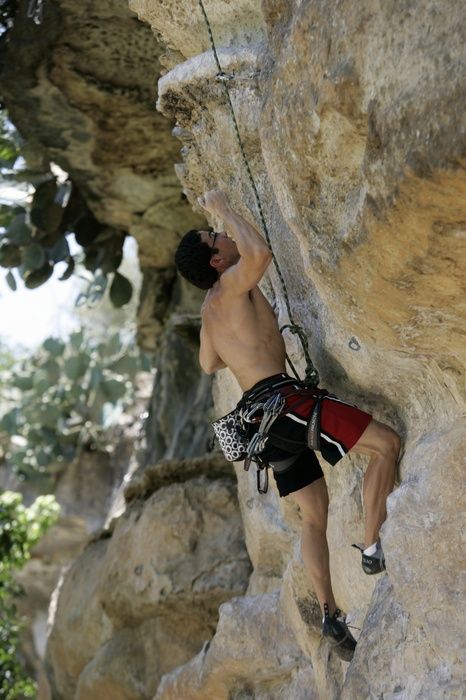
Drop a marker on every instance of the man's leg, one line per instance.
(313, 504)
(382, 444)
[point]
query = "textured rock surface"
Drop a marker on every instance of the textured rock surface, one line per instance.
(251, 655)
(180, 393)
(352, 117)
(147, 595)
(353, 122)
(84, 626)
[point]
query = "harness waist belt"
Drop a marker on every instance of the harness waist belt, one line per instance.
(268, 386)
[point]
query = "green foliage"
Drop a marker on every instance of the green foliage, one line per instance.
(8, 9)
(9, 144)
(7, 361)
(34, 239)
(64, 399)
(7, 213)
(20, 529)
(11, 282)
(120, 291)
(8, 153)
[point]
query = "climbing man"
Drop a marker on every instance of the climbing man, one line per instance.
(240, 331)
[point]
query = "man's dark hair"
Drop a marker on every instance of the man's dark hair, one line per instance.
(192, 258)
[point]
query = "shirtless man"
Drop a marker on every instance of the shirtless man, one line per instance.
(240, 331)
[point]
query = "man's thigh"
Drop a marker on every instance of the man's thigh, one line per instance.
(293, 472)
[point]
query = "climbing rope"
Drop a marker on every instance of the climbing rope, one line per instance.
(311, 376)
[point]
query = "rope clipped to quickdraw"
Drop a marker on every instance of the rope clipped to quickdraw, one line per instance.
(312, 376)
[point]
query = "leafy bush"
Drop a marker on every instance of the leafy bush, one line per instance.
(20, 529)
(64, 399)
(8, 10)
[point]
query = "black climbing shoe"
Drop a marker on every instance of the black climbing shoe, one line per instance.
(375, 563)
(335, 631)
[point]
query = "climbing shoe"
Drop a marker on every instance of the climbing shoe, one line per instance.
(373, 563)
(335, 631)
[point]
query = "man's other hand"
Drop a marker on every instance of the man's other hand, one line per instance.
(215, 202)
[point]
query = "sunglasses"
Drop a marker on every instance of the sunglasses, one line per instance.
(213, 236)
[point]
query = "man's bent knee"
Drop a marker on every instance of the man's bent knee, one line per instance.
(379, 439)
(392, 443)
(389, 445)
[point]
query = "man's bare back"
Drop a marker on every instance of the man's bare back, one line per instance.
(243, 332)
(239, 329)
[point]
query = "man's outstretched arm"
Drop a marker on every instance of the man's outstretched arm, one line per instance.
(249, 241)
(253, 249)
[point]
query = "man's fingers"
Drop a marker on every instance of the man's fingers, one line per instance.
(213, 200)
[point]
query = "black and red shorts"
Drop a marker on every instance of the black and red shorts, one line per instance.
(294, 464)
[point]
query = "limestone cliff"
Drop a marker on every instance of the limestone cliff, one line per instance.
(352, 118)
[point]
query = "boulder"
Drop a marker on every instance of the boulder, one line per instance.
(147, 592)
(245, 659)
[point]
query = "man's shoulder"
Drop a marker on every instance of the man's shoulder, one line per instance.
(221, 298)
(213, 300)
(225, 293)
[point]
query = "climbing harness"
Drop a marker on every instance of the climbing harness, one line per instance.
(311, 374)
(262, 405)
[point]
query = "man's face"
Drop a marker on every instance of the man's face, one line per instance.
(226, 251)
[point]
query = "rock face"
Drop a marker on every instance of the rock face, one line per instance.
(353, 119)
(353, 124)
(145, 597)
(251, 655)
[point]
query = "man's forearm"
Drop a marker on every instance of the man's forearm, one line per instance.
(247, 238)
